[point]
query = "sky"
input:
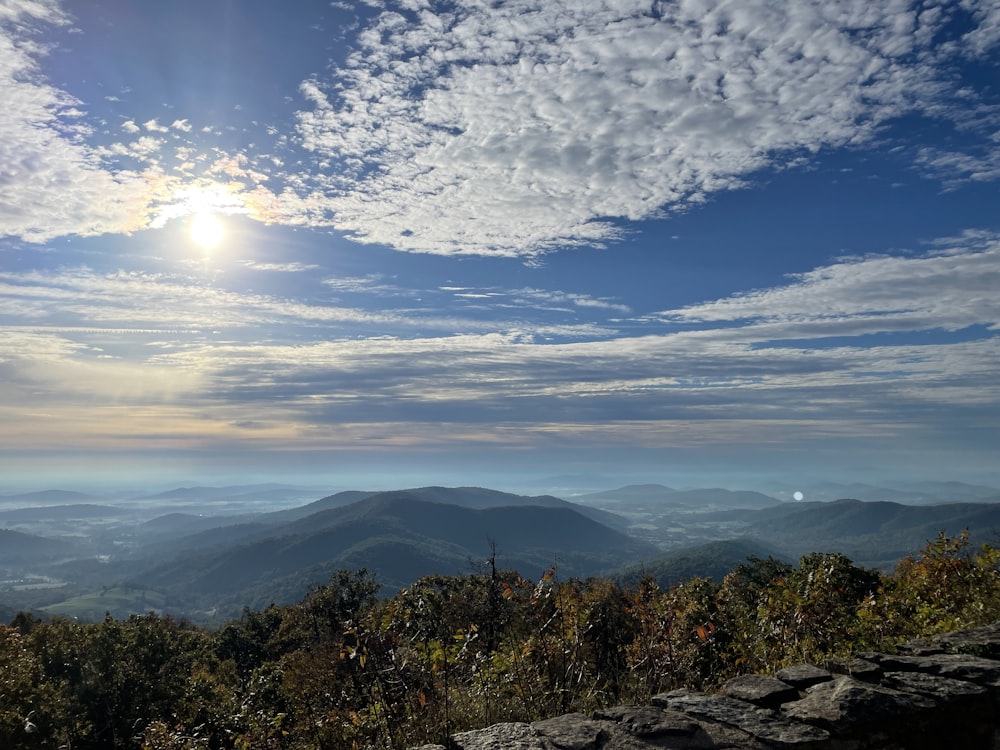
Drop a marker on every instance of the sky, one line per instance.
(397, 242)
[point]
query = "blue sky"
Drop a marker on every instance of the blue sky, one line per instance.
(690, 242)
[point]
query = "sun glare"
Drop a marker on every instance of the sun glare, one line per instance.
(207, 230)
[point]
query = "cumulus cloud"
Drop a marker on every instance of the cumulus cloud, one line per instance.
(518, 127)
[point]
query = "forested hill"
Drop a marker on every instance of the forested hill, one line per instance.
(399, 535)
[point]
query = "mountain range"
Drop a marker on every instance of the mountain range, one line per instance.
(156, 551)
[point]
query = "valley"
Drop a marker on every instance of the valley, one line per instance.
(206, 553)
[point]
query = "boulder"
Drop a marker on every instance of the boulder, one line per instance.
(803, 676)
(761, 690)
(659, 727)
(758, 723)
(845, 704)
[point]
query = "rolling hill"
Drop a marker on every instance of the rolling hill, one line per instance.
(402, 536)
(16, 546)
(712, 560)
(870, 533)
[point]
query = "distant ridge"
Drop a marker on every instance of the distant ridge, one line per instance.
(47, 497)
(629, 492)
(241, 491)
(871, 533)
(698, 498)
(18, 546)
(59, 512)
(401, 535)
(710, 560)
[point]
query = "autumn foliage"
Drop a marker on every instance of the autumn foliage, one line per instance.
(345, 668)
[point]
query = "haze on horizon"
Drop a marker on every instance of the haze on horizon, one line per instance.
(691, 242)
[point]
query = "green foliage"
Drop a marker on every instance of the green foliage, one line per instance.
(32, 709)
(947, 587)
(346, 669)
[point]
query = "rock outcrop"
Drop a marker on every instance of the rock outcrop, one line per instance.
(942, 692)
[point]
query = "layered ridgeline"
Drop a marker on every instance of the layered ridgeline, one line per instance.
(398, 535)
(206, 553)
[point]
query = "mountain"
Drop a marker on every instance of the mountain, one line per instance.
(658, 494)
(952, 492)
(261, 491)
(339, 500)
(402, 536)
(172, 525)
(908, 493)
(632, 493)
(711, 560)
(59, 513)
(16, 546)
(871, 533)
(46, 497)
(463, 497)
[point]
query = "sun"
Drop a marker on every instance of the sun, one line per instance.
(207, 230)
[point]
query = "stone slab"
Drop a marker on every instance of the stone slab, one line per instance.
(846, 703)
(803, 676)
(760, 723)
(761, 690)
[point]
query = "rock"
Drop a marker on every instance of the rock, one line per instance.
(663, 727)
(944, 690)
(507, 736)
(761, 690)
(982, 641)
(803, 676)
(860, 669)
(759, 723)
(845, 703)
(935, 694)
(572, 732)
(959, 666)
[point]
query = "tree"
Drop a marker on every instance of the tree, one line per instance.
(947, 587)
(32, 710)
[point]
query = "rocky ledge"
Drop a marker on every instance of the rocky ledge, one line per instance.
(938, 693)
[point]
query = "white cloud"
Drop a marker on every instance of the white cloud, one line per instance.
(154, 127)
(52, 184)
(518, 127)
(294, 267)
(739, 367)
(949, 289)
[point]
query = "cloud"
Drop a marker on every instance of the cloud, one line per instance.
(154, 127)
(294, 267)
(841, 352)
(514, 128)
(60, 178)
(948, 289)
(794, 357)
(52, 184)
(48, 370)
